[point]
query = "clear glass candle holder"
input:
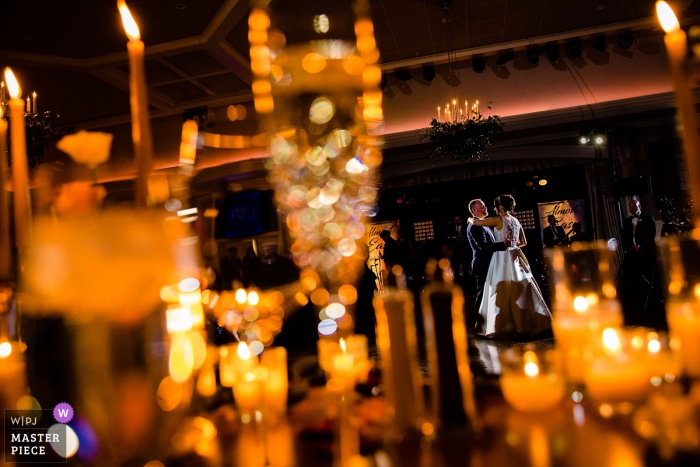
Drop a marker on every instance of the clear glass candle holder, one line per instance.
(681, 261)
(531, 380)
(585, 299)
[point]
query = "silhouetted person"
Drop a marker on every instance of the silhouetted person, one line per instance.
(578, 235)
(553, 234)
(276, 270)
(250, 267)
(230, 268)
(392, 251)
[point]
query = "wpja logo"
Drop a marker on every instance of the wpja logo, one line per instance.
(37, 436)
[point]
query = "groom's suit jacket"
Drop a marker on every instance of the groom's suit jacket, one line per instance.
(483, 246)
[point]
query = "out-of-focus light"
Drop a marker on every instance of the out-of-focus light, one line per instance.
(187, 212)
(172, 205)
(347, 294)
(322, 110)
(347, 247)
(5, 349)
(354, 166)
(211, 213)
(667, 17)
(654, 346)
(253, 298)
(531, 369)
(543, 182)
(188, 285)
(327, 327)
(241, 296)
(581, 304)
(169, 394)
(313, 63)
(256, 347)
(576, 396)
(610, 340)
(243, 351)
(321, 23)
(599, 140)
(335, 310)
(187, 220)
(584, 139)
(181, 361)
(605, 410)
(178, 319)
(70, 446)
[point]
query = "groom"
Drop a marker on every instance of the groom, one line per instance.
(483, 246)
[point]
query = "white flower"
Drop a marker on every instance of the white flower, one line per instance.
(87, 147)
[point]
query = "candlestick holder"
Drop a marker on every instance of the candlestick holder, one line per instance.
(531, 380)
(585, 299)
(681, 261)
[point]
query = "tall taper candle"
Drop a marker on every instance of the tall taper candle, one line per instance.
(20, 170)
(140, 121)
(34, 109)
(677, 49)
(4, 207)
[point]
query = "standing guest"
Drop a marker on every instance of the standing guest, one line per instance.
(230, 268)
(553, 234)
(686, 219)
(638, 266)
(250, 268)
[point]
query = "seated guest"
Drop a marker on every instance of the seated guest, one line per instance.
(553, 234)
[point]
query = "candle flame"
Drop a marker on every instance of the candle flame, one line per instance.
(654, 346)
(531, 369)
(5, 349)
(610, 340)
(34, 94)
(243, 351)
(132, 30)
(580, 304)
(667, 17)
(342, 344)
(12, 84)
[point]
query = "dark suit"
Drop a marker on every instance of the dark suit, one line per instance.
(483, 246)
(548, 236)
(638, 267)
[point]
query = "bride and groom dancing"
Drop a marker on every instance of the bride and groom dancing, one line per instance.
(509, 301)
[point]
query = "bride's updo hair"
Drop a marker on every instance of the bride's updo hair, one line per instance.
(507, 202)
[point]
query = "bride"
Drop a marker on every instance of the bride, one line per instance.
(512, 303)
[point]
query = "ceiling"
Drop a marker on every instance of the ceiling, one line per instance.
(73, 53)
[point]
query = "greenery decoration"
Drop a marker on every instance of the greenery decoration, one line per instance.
(40, 132)
(463, 140)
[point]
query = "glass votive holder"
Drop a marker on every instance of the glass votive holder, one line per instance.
(616, 367)
(662, 361)
(681, 261)
(530, 380)
(585, 300)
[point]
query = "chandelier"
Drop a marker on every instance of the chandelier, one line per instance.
(462, 134)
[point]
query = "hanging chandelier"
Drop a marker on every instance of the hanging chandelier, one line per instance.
(460, 133)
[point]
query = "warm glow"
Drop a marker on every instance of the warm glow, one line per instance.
(667, 17)
(592, 299)
(313, 63)
(580, 304)
(253, 298)
(531, 369)
(610, 340)
(132, 30)
(654, 346)
(12, 84)
(342, 345)
(241, 296)
(5, 349)
(188, 285)
(243, 351)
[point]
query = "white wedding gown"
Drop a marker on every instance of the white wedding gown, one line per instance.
(512, 301)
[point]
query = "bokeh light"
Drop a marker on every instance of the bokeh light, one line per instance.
(322, 110)
(327, 327)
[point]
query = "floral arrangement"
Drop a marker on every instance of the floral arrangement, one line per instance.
(464, 139)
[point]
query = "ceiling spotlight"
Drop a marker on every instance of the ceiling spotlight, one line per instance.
(599, 44)
(553, 52)
(428, 72)
(574, 50)
(625, 40)
(478, 64)
(584, 139)
(599, 139)
(533, 55)
(505, 57)
(403, 75)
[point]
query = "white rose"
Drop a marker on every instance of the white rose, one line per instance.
(87, 147)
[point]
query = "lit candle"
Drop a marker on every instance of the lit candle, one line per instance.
(20, 170)
(206, 379)
(246, 393)
(466, 109)
(454, 106)
(616, 375)
(396, 339)
(356, 345)
(684, 325)
(188, 145)
(29, 105)
(5, 251)
(439, 116)
(677, 49)
(275, 387)
(140, 121)
(34, 108)
(532, 389)
(449, 114)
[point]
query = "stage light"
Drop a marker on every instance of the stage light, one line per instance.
(599, 44)
(584, 139)
(625, 40)
(553, 52)
(505, 57)
(428, 72)
(533, 55)
(403, 75)
(574, 50)
(478, 64)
